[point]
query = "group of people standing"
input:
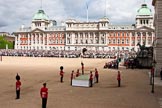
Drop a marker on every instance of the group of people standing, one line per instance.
(112, 64)
(91, 77)
(78, 74)
(44, 89)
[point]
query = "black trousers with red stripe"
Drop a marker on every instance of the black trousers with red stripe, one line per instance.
(91, 83)
(17, 94)
(44, 102)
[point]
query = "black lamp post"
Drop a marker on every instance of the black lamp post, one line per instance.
(153, 64)
(152, 91)
(152, 75)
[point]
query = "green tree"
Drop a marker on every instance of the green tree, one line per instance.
(4, 42)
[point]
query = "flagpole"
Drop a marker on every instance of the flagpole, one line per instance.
(41, 4)
(105, 8)
(87, 11)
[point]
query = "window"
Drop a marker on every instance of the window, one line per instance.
(149, 41)
(81, 35)
(147, 22)
(114, 34)
(68, 41)
(86, 42)
(109, 34)
(91, 37)
(118, 41)
(86, 35)
(118, 34)
(76, 35)
(103, 24)
(133, 34)
(76, 41)
(150, 34)
(133, 42)
(69, 25)
(122, 34)
(91, 41)
(127, 34)
(144, 33)
(122, 41)
(103, 41)
(91, 34)
(81, 41)
(138, 34)
(109, 41)
(97, 41)
(127, 42)
(141, 21)
(114, 41)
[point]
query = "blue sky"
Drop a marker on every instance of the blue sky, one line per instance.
(14, 13)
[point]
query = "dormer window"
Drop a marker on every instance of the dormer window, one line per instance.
(103, 24)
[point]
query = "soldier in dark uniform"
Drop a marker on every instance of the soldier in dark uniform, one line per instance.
(91, 79)
(61, 74)
(77, 73)
(96, 75)
(119, 78)
(18, 84)
(82, 68)
(72, 76)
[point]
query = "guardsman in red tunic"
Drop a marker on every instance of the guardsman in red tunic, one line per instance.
(44, 95)
(91, 79)
(77, 74)
(119, 78)
(82, 68)
(62, 75)
(18, 84)
(96, 75)
(72, 76)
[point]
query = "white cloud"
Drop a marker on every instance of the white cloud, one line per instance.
(16, 12)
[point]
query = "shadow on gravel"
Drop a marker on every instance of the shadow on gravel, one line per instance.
(113, 86)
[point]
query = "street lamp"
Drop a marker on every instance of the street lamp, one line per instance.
(152, 75)
(153, 67)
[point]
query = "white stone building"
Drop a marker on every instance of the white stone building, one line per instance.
(44, 34)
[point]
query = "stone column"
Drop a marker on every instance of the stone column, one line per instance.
(28, 36)
(94, 38)
(47, 39)
(146, 38)
(130, 41)
(43, 41)
(106, 34)
(99, 39)
(31, 41)
(136, 41)
(152, 36)
(141, 38)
